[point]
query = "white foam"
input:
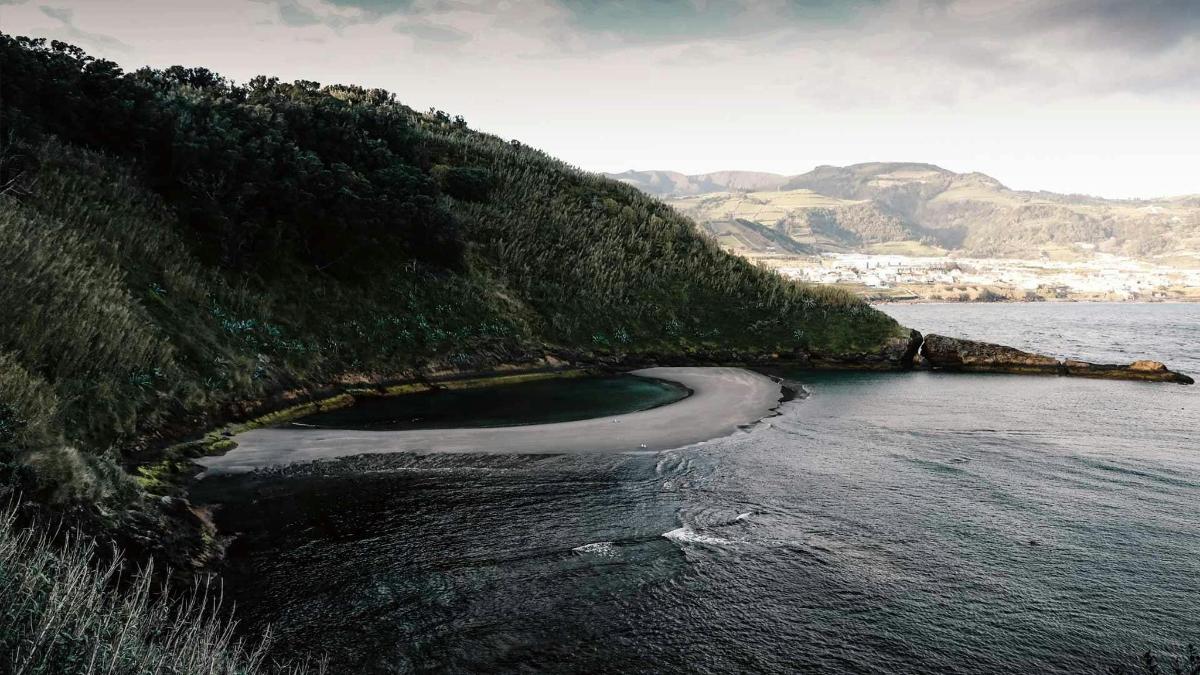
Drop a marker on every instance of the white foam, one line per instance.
(688, 535)
(604, 549)
(744, 516)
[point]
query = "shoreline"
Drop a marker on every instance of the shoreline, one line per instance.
(723, 400)
(168, 474)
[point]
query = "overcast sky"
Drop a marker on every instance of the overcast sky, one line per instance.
(1092, 96)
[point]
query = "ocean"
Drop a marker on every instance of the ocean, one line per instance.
(889, 522)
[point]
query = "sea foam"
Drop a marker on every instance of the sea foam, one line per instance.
(604, 549)
(688, 535)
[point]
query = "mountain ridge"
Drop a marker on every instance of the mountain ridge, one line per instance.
(638, 177)
(926, 208)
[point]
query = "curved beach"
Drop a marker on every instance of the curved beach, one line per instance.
(722, 400)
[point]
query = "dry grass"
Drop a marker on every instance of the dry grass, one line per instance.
(60, 613)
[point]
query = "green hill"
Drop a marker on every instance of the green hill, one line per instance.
(173, 245)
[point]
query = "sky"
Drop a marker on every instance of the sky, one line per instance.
(1098, 97)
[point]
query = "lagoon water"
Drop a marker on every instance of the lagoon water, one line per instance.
(911, 522)
(520, 403)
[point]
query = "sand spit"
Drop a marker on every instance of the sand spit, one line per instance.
(723, 399)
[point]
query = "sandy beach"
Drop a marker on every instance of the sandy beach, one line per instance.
(723, 399)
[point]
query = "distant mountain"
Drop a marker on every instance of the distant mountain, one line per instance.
(921, 208)
(673, 183)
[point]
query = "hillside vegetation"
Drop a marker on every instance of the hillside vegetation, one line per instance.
(172, 243)
(922, 208)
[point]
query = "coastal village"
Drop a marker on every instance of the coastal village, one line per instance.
(910, 278)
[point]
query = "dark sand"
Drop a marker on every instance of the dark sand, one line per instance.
(723, 399)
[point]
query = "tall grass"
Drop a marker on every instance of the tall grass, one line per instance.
(65, 610)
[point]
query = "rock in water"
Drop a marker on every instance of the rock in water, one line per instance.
(1152, 371)
(950, 353)
(946, 353)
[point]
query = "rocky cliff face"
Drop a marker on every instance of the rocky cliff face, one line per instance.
(939, 352)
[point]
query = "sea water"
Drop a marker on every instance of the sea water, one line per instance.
(892, 522)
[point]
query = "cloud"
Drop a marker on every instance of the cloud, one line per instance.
(856, 52)
(691, 55)
(1138, 25)
(429, 32)
(336, 14)
(100, 41)
(1094, 46)
(62, 14)
(292, 13)
(676, 21)
(375, 7)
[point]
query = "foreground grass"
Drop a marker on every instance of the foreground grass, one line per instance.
(61, 613)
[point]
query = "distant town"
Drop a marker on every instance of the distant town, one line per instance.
(900, 278)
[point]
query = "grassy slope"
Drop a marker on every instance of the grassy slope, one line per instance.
(118, 328)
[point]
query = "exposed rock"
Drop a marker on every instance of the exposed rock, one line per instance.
(901, 351)
(919, 362)
(949, 353)
(946, 353)
(1152, 371)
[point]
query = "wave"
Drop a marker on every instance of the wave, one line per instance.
(690, 536)
(604, 549)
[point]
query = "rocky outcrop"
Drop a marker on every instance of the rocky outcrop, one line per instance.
(946, 353)
(949, 353)
(1152, 371)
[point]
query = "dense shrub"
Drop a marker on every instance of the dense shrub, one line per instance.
(466, 183)
(325, 174)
